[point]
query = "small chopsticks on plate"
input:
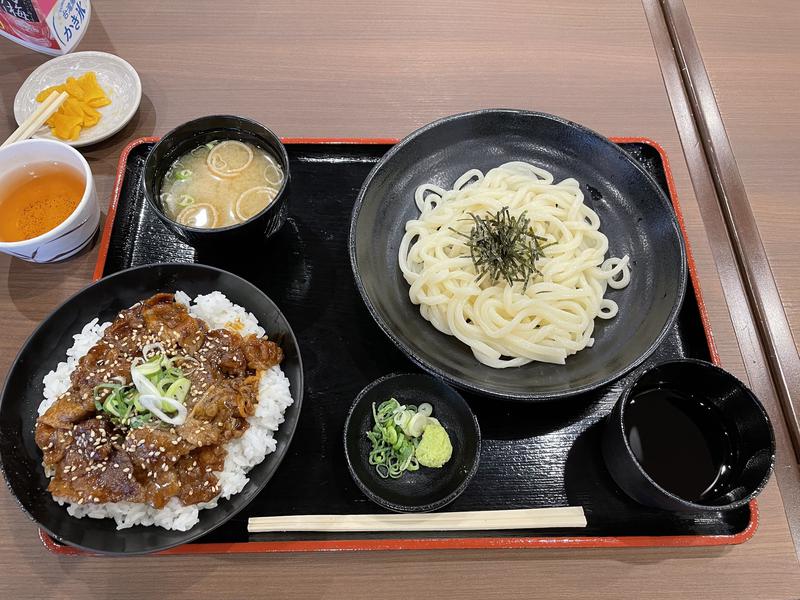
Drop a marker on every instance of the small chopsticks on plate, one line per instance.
(43, 112)
(528, 518)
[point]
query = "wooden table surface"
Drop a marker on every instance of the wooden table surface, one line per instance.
(354, 68)
(756, 82)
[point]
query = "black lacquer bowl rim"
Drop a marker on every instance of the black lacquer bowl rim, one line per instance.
(410, 352)
(284, 158)
(196, 531)
(377, 498)
(619, 424)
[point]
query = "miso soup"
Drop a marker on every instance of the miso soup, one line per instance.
(219, 184)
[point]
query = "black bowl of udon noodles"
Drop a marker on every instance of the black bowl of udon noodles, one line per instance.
(635, 215)
(190, 135)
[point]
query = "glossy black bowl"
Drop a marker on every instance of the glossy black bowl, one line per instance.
(21, 459)
(635, 215)
(742, 416)
(192, 134)
(426, 489)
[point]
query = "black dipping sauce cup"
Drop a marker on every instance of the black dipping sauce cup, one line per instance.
(726, 405)
(189, 136)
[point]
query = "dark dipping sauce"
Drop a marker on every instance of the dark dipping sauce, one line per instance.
(681, 442)
(92, 459)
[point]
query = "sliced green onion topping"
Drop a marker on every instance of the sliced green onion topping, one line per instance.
(158, 390)
(395, 436)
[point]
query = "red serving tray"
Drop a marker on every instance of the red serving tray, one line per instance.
(436, 543)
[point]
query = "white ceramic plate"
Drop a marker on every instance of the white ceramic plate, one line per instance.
(118, 79)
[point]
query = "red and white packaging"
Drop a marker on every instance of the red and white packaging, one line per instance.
(53, 27)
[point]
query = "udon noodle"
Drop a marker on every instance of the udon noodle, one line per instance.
(545, 319)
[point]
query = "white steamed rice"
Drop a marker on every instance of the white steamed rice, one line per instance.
(242, 453)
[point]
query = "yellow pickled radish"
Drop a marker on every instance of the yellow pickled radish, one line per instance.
(85, 96)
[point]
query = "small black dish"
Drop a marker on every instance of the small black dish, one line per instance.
(636, 216)
(21, 459)
(695, 427)
(192, 134)
(426, 489)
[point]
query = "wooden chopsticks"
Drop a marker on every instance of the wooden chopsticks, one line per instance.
(529, 518)
(43, 112)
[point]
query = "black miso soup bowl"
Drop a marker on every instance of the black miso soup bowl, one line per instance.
(203, 130)
(743, 418)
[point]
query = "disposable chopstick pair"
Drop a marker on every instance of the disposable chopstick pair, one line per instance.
(43, 112)
(529, 518)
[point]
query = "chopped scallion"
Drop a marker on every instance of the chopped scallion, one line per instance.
(158, 390)
(395, 436)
